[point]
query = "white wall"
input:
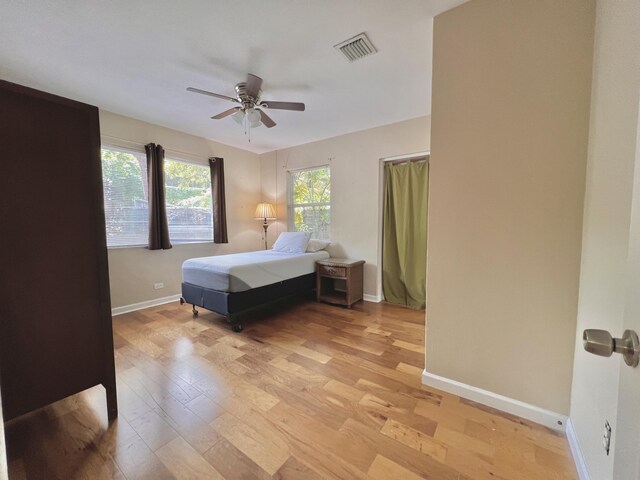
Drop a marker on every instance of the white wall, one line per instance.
(133, 271)
(354, 159)
(510, 116)
(607, 210)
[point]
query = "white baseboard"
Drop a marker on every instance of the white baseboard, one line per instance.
(149, 303)
(372, 298)
(578, 459)
(539, 415)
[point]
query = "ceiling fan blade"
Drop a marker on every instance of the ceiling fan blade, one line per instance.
(254, 83)
(297, 106)
(266, 119)
(226, 113)
(211, 94)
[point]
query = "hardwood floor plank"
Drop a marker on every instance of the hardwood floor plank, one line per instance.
(233, 464)
(414, 439)
(295, 470)
(301, 350)
(130, 405)
(140, 342)
(344, 390)
(418, 463)
(205, 408)
(270, 455)
(353, 450)
(153, 430)
(199, 434)
(410, 369)
(475, 467)
(383, 469)
(282, 371)
(185, 463)
(553, 460)
(409, 346)
(360, 345)
(137, 461)
(299, 371)
(464, 442)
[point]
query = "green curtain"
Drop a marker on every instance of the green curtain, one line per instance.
(404, 249)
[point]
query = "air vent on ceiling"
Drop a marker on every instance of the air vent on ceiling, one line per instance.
(356, 47)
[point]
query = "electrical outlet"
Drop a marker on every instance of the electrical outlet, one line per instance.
(158, 286)
(606, 441)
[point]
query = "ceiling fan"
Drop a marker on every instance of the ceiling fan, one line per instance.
(248, 97)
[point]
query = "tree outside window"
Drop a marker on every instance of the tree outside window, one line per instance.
(188, 200)
(124, 179)
(310, 201)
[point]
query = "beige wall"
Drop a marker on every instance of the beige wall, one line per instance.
(511, 89)
(610, 169)
(133, 271)
(355, 185)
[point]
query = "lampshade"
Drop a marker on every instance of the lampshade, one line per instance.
(265, 211)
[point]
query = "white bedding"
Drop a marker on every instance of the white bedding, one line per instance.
(242, 271)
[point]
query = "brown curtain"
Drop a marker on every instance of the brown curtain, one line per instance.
(219, 206)
(158, 226)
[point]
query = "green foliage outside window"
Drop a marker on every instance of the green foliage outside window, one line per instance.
(311, 201)
(125, 197)
(187, 184)
(126, 171)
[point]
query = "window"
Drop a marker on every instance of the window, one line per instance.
(310, 201)
(188, 199)
(124, 174)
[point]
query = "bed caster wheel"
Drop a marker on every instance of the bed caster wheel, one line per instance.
(237, 328)
(194, 311)
(181, 301)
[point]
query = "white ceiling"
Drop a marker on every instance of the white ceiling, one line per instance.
(136, 58)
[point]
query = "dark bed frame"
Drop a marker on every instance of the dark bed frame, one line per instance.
(233, 304)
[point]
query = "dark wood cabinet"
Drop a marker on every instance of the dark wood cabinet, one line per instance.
(55, 315)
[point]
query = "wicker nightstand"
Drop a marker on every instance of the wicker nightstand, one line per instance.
(339, 281)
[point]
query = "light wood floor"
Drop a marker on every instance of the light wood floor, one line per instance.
(307, 391)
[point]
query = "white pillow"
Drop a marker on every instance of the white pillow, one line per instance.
(317, 245)
(292, 242)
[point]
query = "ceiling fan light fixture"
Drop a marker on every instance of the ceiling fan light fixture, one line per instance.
(238, 117)
(253, 116)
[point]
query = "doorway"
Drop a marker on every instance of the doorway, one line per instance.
(405, 188)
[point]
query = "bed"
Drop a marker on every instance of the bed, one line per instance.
(232, 285)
